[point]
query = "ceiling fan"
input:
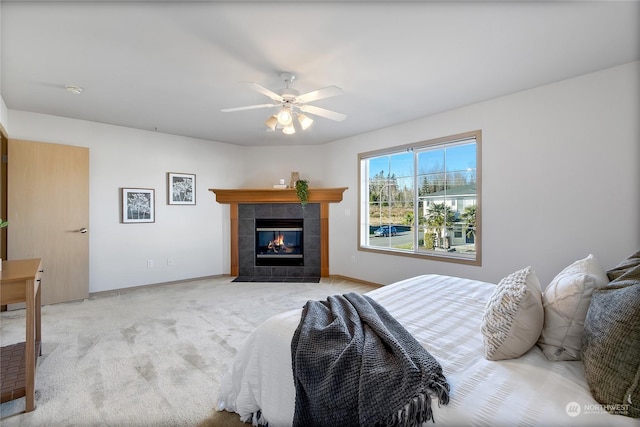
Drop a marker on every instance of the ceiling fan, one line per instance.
(290, 101)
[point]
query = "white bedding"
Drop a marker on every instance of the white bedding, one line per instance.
(443, 313)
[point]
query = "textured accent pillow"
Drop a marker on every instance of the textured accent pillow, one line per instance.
(513, 316)
(611, 345)
(626, 268)
(566, 301)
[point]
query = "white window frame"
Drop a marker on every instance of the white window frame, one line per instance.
(364, 234)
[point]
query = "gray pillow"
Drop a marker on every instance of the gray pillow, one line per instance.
(626, 267)
(611, 346)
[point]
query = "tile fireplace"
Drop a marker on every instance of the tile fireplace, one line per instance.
(247, 205)
(299, 254)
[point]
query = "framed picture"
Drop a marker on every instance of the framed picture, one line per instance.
(181, 189)
(138, 205)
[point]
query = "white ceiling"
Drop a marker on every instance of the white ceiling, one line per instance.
(172, 66)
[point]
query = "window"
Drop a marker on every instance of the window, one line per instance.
(423, 199)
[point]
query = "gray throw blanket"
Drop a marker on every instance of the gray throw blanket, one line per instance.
(355, 365)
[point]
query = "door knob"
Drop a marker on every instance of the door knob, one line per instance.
(82, 230)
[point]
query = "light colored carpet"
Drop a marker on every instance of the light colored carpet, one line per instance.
(151, 356)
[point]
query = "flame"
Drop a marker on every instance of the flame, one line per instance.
(277, 243)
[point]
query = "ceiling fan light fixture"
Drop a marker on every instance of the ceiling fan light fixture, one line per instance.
(284, 117)
(289, 129)
(271, 123)
(291, 105)
(305, 121)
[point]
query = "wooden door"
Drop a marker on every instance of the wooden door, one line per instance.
(48, 209)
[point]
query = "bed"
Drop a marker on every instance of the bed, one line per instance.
(445, 314)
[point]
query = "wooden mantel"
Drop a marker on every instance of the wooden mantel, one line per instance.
(269, 195)
(323, 196)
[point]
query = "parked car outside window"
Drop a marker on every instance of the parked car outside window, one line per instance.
(384, 231)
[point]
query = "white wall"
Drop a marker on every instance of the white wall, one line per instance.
(265, 166)
(560, 179)
(196, 237)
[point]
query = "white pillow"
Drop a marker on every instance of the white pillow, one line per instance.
(566, 302)
(513, 316)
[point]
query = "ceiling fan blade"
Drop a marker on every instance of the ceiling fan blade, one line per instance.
(319, 94)
(248, 107)
(264, 91)
(322, 112)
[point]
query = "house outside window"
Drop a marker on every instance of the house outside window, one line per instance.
(423, 199)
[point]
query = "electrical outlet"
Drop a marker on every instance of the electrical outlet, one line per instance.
(149, 263)
(169, 262)
(353, 259)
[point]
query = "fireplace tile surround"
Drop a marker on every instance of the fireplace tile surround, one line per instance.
(248, 213)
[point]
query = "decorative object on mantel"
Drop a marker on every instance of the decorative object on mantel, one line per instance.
(281, 185)
(3, 224)
(302, 191)
(295, 176)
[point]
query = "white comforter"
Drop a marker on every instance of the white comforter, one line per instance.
(444, 314)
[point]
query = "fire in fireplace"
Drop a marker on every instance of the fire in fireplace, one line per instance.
(279, 242)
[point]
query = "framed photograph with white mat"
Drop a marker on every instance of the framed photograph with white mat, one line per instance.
(138, 205)
(181, 188)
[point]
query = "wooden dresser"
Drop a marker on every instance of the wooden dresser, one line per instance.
(20, 281)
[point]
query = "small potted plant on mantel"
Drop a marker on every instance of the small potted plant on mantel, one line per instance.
(302, 191)
(3, 224)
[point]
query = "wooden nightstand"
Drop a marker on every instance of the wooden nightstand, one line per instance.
(20, 281)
